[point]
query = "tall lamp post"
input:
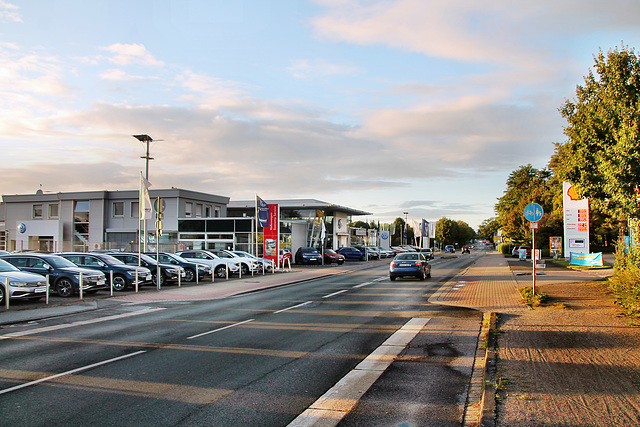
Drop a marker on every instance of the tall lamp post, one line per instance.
(145, 139)
(404, 236)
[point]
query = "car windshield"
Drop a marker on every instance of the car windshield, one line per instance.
(59, 262)
(147, 258)
(411, 257)
(309, 251)
(5, 267)
(330, 251)
(108, 259)
(245, 254)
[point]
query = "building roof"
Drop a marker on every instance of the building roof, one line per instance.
(297, 204)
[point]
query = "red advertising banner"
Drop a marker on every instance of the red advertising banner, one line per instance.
(272, 234)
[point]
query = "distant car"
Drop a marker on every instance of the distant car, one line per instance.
(351, 253)
(189, 267)
(247, 265)
(22, 284)
(308, 255)
(331, 256)
(385, 253)
(450, 249)
(168, 272)
(427, 252)
(466, 250)
(64, 276)
(218, 265)
(124, 275)
(412, 264)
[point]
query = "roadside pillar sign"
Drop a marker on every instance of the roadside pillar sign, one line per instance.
(533, 212)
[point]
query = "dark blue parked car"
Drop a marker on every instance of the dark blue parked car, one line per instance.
(351, 253)
(308, 256)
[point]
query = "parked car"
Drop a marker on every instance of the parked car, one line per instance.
(265, 264)
(189, 267)
(331, 256)
(22, 284)
(466, 250)
(427, 252)
(351, 253)
(371, 253)
(385, 253)
(247, 265)
(412, 264)
(168, 272)
(124, 275)
(218, 265)
(64, 276)
(308, 256)
(450, 249)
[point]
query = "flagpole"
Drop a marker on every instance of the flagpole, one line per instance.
(256, 221)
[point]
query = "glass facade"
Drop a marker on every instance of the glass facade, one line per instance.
(226, 233)
(81, 225)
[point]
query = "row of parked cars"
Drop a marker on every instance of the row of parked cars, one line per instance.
(26, 272)
(308, 255)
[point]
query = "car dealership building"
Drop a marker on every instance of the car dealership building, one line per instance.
(91, 220)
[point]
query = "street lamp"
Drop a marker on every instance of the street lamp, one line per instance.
(145, 139)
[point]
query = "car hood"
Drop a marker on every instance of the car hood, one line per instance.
(84, 271)
(21, 275)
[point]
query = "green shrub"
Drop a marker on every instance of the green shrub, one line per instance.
(625, 283)
(504, 248)
(531, 299)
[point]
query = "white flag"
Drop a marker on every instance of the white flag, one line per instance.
(146, 212)
(323, 233)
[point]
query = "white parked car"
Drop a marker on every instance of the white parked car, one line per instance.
(218, 265)
(247, 265)
(265, 263)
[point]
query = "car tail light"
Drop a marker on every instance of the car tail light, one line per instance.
(418, 263)
(393, 264)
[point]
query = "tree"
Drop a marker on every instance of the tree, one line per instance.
(489, 228)
(601, 157)
(446, 231)
(465, 233)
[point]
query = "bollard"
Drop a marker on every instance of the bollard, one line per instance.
(46, 297)
(227, 268)
(111, 281)
(273, 267)
(80, 284)
(179, 277)
(136, 280)
(7, 293)
(197, 274)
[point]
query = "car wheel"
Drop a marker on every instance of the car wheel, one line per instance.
(1, 295)
(163, 279)
(119, 283)
(422, 276)
(392, 278)
(189, 275)
(340, 262)
(429, 274)
(245, 269)
(64, 287)
(221, 272)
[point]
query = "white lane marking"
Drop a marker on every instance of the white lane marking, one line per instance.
(292, 307)
(362, 284)
(380, 279)
(71, 372)
(220, 329)
(80, 323)
(335, 293)
(332, 406)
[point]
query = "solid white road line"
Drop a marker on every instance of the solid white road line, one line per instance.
(220, 329)
(335, 293)
(71, 372)
(80, 323)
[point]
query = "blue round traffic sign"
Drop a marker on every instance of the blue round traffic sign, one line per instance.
(533, 212)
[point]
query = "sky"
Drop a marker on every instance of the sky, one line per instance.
(387, 106)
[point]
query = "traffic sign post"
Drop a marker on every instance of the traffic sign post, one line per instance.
(533, 212)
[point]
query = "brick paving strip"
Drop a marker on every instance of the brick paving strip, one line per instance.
(488, 286)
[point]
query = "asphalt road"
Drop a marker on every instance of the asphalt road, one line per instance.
(256, 359)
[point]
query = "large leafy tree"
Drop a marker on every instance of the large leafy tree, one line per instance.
(489, 228)
(601, 157)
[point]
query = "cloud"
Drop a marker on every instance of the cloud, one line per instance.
(120, 75)
(126, 54)
(309, 69)
(8, 12)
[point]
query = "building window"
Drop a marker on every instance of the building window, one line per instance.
(53, 211)
(81, 226)
(135, 209)
(207, 211)
(37, 211)
(217, 213)
(188, 209)
(198, 210)
(118, 209)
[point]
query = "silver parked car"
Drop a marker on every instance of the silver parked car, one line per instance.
(22, 285)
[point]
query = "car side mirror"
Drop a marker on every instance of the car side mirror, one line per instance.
(47, 266)
(102, 264)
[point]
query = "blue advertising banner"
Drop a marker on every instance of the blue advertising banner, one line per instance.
(262, 209)
(586, 260)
